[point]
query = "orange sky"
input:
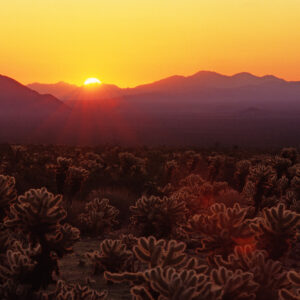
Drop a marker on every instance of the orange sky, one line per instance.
(129, 42)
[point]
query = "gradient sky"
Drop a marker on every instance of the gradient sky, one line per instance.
(129, 42)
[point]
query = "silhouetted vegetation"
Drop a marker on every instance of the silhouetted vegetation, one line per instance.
(149, 223)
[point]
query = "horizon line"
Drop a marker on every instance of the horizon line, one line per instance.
(163, 78)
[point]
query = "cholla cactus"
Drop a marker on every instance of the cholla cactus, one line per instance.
(159, 252)
(159, 216)
(63, 239)
(132, 165)
(276, 230)
(169, 272)
(187, 284)
(223, 229)
(129, 240)
(290, 153)
(282, 185)
(236, 285)
(63, 165)
(269, 274)
(66, 291)
(294, 279)
(98, 217)
(171, 169)
(260, 181)
(8, 193)
(281, 165)
(18, 270)
(215, 164)
(91, 165)
(241, 173)
(75, 178)
(113, 257)
(39, 214)
(197, 193)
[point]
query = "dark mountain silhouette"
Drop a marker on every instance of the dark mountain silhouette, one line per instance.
(204, 108)
(24, 112)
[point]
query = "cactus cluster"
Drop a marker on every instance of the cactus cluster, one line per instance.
(196, 224)
(276, 230)
(67, 291)
(113, 256)
(99, 216)
(157, 216)
(8, 193)
(221, 229)
(38, 214)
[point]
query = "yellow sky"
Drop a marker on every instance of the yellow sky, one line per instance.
(129, 42)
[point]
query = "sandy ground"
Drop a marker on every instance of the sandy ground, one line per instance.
(75, 268)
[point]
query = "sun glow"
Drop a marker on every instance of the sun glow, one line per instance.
(92, 81)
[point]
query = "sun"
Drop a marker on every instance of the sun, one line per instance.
(92, 81)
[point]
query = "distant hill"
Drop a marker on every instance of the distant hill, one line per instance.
(59, 90)
(201, 109)
(24, 112)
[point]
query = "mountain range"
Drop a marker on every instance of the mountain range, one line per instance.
(201, 109)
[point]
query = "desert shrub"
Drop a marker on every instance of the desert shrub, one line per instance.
(276, 230)
(98, 217)
(39, 215)
(157, 216)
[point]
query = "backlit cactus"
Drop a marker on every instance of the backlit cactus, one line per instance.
(113, 256)
(75, 178)
(187, 284)
(160, 252)
(8, 193)
(260, 182)
(17, 271)
(236, 285)
(99, 216)
(241, 173)
(294, 292)
(68, 291)
(38, 214)
(157, 216)
(269, 274)
(276, 230)
(221, 229)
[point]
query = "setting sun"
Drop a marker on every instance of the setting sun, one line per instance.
(92, 81)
